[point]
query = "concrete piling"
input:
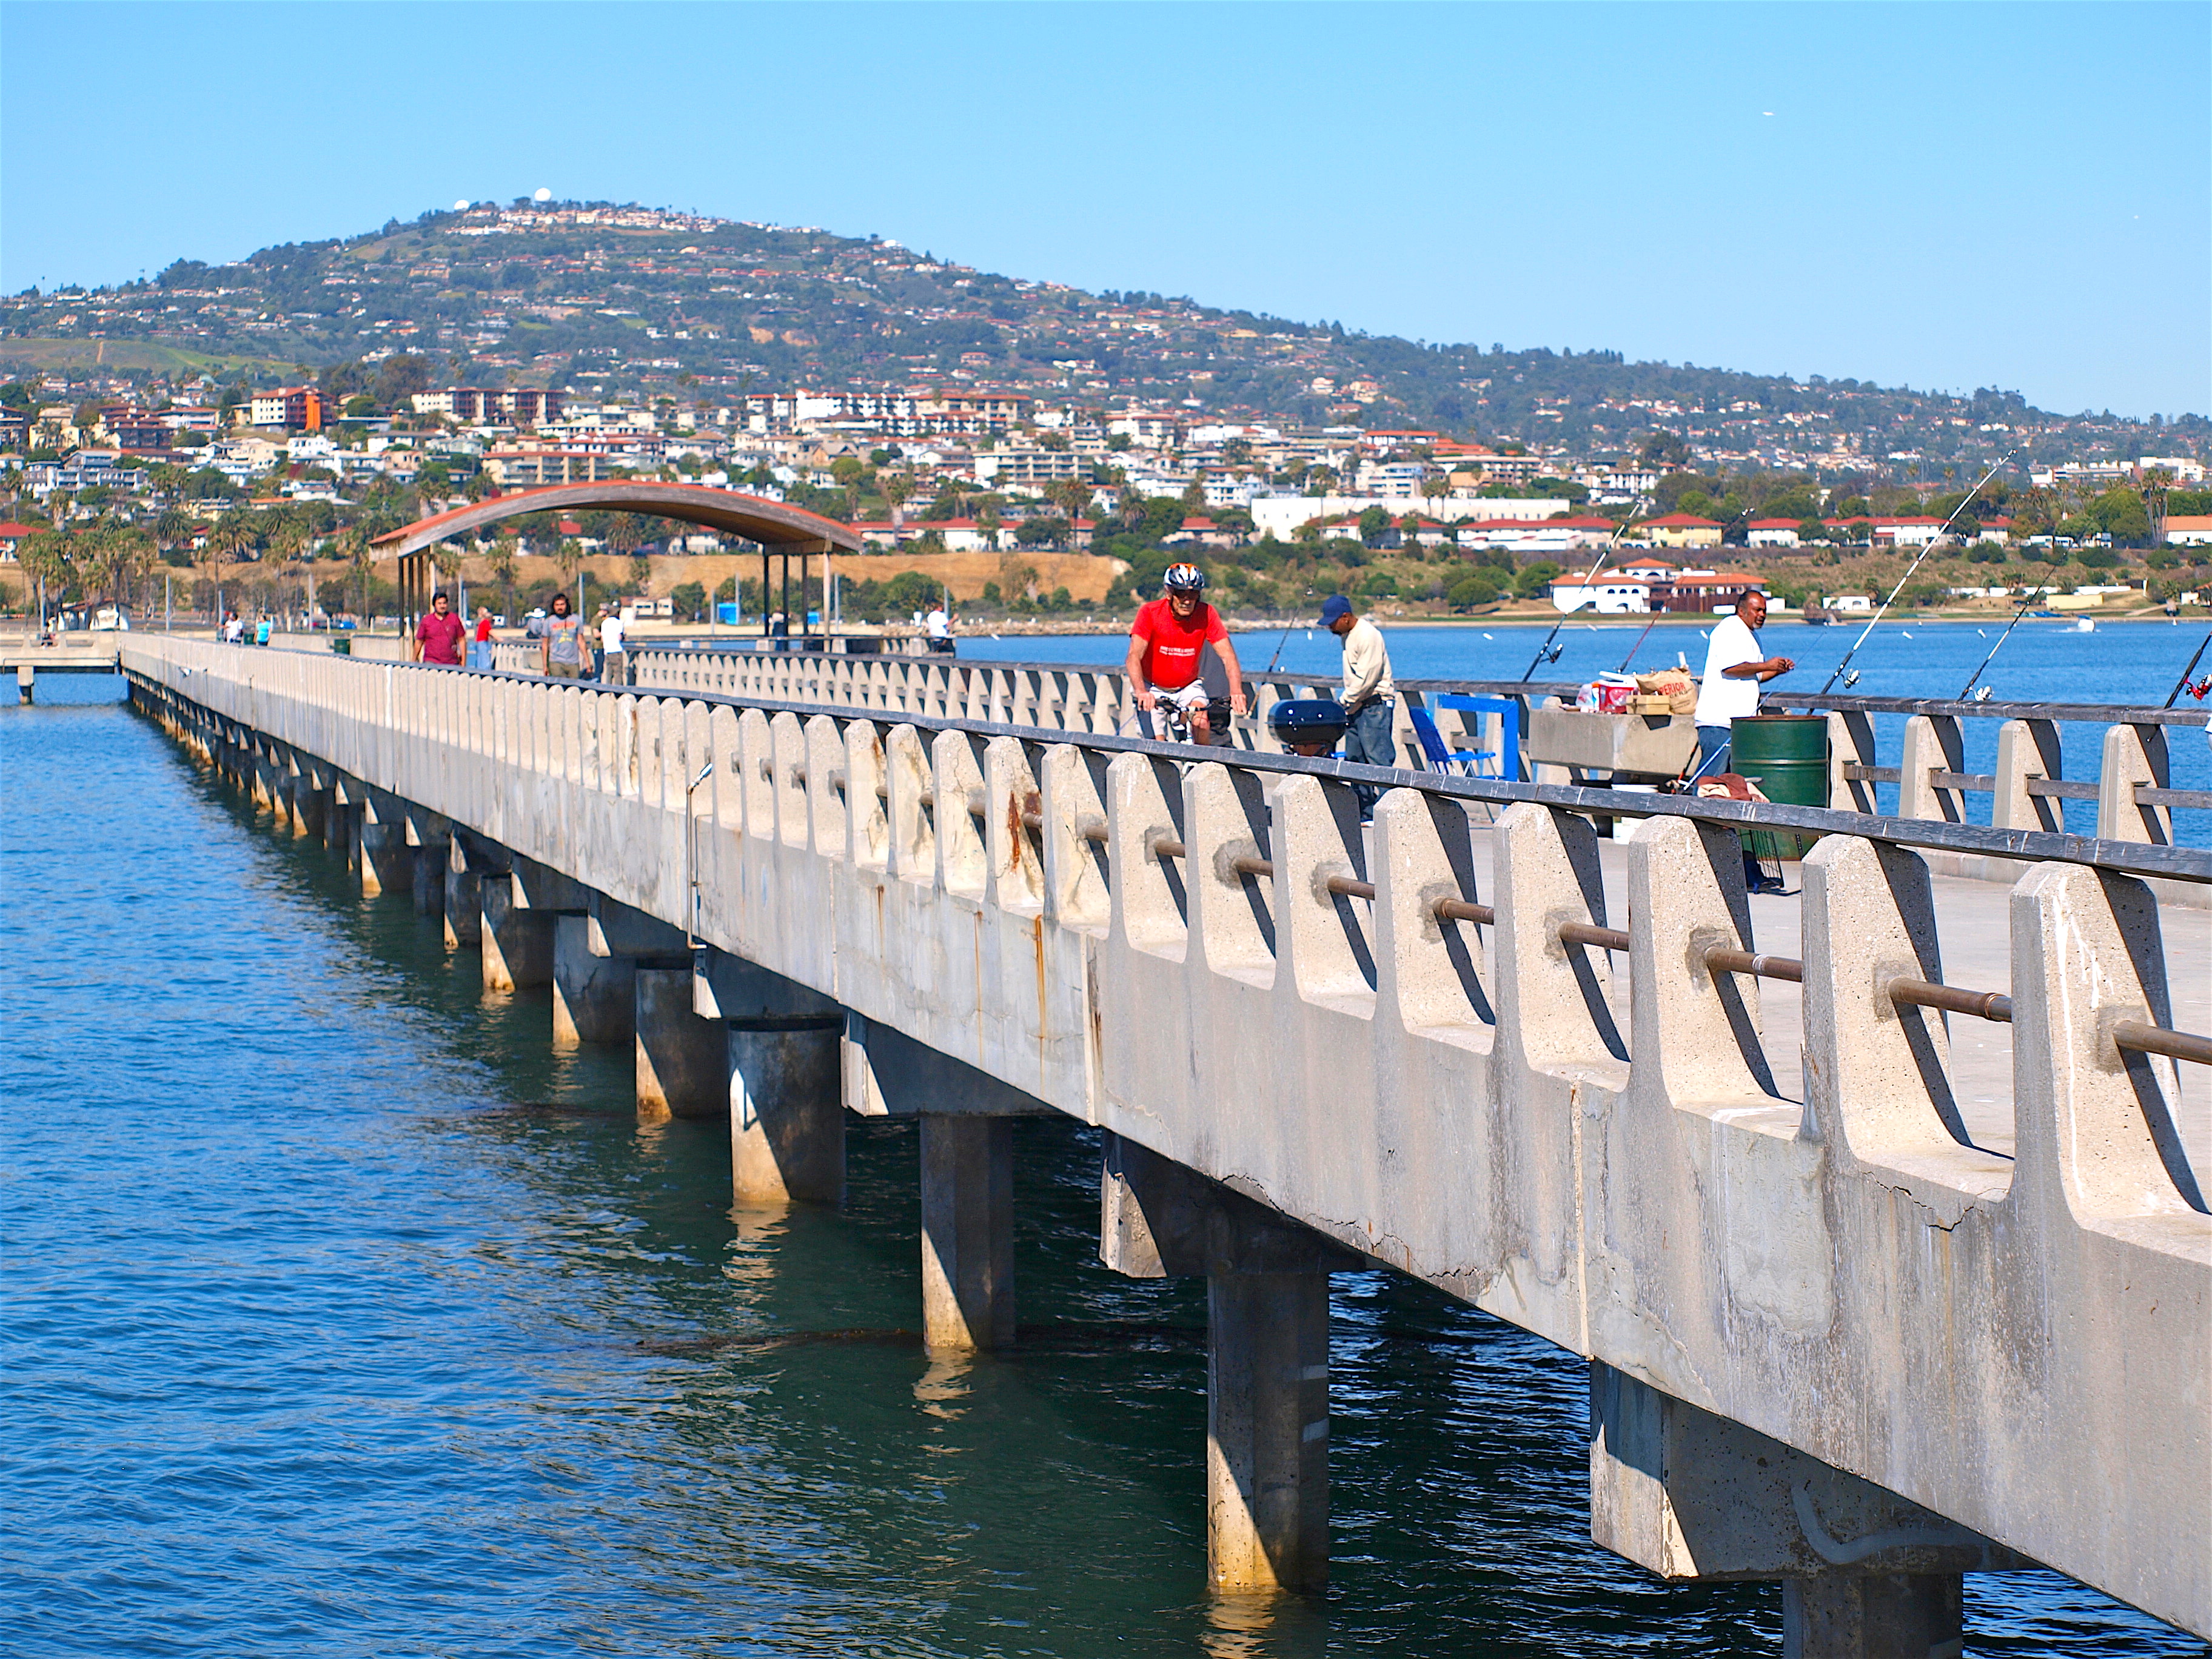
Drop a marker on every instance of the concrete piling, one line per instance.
(967, 1232)
(1266, 1431)
(786, 1109)
(517, 942)
(594, 996)
(683, 1060)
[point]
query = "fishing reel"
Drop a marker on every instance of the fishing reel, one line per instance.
(1981, 694)
(2199, 689)
(1549, 652)
(1850, 679)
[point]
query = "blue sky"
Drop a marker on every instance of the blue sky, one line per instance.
(1946, 196)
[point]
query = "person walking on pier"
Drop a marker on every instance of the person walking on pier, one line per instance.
(614, 647)
(1370, 695)
(561, 647)
(438, 635)
(1735, 671)
(480, 642)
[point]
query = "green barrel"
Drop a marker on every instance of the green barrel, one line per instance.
(1787, 757)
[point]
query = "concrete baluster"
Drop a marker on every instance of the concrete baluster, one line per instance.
(2027, 749)
(756, 773)
(1933, 744)
(1150, 903)
(787, 766)
(907, 776)
(1850, 743)
(1014, 853)
(1429, 968)
(868, 829)
(1553, 1012)
(1233, 916)
(2133, 755)
(1878, 1072)
(1693, 1034)
(1071, 781)
(1327, 938)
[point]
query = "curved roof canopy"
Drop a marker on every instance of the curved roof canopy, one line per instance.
(770, 523)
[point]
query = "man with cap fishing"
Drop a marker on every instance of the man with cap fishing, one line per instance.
(1371, 697)
(1735, 671)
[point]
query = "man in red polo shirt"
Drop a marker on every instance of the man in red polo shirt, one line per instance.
(438, 635)
(1167, 643)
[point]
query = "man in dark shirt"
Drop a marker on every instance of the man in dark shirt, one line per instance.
(438, 635)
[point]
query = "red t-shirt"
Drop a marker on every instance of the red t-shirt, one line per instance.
(440, 638)
(483, 630)
(1172, 645)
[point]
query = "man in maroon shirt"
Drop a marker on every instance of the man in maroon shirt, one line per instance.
(438, 635)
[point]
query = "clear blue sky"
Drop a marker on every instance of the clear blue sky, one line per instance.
(1942, 195)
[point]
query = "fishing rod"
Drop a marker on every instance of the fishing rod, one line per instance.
(1638, 646)
(2183, 684)
(1995, 469)
(2034, 595)
(1547, 652)
(1286, 640)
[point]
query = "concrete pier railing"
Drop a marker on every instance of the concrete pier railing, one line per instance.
(2132, 787)
(1835, 1338)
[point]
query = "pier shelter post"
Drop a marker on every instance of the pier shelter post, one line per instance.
(1866, 1574)
(1266, 1357)
(785, 1087)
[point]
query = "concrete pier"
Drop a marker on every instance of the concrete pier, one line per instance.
(787, 1108)
(683, 1060)
(1880, 1205)
(594, 996)
(967, 1233)
(464, 896)
(385, 860)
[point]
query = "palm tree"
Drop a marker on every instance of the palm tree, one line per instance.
(503, 565)
(896, 487)
(361, 554)
(227, 542)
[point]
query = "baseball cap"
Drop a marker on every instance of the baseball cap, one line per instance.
(1334, 606)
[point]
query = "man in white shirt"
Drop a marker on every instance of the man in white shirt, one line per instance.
(1735, 671)
(1370, 695)
(614, 634)
(940, 627)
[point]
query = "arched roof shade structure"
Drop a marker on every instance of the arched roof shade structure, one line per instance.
(779, 529)
(770, 523)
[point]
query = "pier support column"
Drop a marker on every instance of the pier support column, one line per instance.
(967, 1233)
(386, 861)
(683, 1060)
(1690, 1495)
(594, 996)
(517, 942)
(787, 1108)
(464, 879)
(1266, 1395)
(311, 808)
(429, 836)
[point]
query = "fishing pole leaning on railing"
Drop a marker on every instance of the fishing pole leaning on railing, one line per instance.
(1549, 652)
(1932, 544)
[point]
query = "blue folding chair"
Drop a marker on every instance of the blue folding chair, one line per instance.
(1435, 756)
(1504, 761)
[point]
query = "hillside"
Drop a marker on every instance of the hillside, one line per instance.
(637, 301)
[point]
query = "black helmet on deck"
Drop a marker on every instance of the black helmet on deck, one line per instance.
(1184, 579)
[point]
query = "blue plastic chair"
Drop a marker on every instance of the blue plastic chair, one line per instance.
(1504, 761)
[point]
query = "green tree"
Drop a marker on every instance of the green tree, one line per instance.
(688, 599)
(1471, 591)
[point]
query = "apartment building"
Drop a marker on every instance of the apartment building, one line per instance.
(293, 408)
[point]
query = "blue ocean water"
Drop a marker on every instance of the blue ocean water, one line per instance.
(343, 1317)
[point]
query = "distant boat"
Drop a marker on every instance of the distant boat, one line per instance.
(1820, 616)
(2084, 625)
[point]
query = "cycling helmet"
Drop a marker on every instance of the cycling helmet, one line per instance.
(1184, 579)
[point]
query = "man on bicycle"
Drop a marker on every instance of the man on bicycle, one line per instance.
(1166, 643)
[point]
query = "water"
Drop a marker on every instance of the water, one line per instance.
(345, 1318)
(2134, 663)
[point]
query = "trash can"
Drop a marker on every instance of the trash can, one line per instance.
(1787, 757)
(343, 644)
